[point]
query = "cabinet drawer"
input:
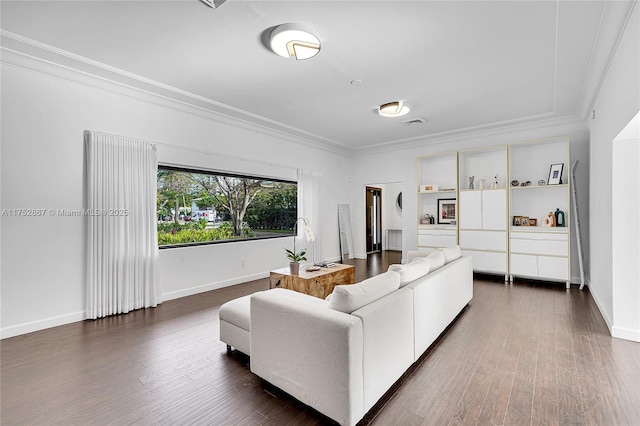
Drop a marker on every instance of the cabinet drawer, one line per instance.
(522, 264)
(544, 247)
(484, 261)
(553, 267)
(545, 236)
(436, 240)
(483, 240)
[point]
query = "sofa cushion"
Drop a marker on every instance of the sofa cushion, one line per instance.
(348, 298)
(419, 267)
(436, 259)
(414, 254)
(451, 253)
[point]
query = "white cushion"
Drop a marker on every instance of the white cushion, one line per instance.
(436, 259)
(419, 267)
(413, 254)
(451, 253)
(348, 298)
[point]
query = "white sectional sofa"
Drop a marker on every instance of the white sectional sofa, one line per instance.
(341, 355)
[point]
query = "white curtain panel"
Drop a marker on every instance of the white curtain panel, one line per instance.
(309, 208)
(121, 234)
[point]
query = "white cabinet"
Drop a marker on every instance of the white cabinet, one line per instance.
(484, 208)
(436, 237)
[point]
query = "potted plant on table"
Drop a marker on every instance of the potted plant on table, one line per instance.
(296, 256)
(294, 260)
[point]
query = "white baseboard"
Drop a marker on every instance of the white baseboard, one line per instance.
(626, 333)
(603, 312)
(212, 286)
(30, 327)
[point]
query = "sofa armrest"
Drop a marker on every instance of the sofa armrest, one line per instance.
(309, 351)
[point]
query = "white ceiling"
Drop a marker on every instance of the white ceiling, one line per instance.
(461, 66)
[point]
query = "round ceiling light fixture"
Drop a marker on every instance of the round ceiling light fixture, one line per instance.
(294, 41)
(393, 109)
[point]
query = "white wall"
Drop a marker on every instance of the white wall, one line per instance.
(44, 113)
(399, 165)
(617, 103)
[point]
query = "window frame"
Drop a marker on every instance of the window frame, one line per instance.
(229, 174)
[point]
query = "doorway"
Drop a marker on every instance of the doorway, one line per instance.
(373, 207)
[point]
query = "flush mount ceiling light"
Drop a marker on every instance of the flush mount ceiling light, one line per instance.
(294, 41)
(393, 109)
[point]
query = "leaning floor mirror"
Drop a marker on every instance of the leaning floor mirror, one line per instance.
(344, 228)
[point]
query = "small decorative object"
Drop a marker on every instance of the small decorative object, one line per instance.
(471, 182)
(515, 182)
(446, 210)
(559, 215)
(555, 174)
(426, 219)
(524, 221)
(549, 221)
(517, 220)
(533, 221)
(542, 182)
(432, 220)
(527, 183)
(399, 201)
(494, 185)
(428, 188)
(481, 184)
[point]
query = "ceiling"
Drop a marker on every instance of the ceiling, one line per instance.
(462, 66)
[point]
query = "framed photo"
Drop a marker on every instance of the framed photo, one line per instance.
(524, 221)
(533, 221)
(555, 174)
(517, 220)
(446, 210)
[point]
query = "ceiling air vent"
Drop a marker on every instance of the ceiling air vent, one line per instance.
(413, 121)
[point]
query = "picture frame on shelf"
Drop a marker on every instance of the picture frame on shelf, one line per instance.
(533, 221)
(555, 174)
(516, 220)
(524, 221)
(447, 211)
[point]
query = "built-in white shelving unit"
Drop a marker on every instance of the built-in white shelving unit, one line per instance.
(538, 251)
(437, 183)
(482, 228)
(484, 223)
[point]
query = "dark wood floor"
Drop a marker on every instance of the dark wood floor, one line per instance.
(521, 354)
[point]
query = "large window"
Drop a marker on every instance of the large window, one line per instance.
(199, 207)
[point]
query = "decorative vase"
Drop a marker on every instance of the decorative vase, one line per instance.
(471, 182)
(549, 221)
(294, 268)
(559, 214)
(481, 184)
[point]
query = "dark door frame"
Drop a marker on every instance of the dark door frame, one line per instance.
(373, 220)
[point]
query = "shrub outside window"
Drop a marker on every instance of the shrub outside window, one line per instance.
(200, 207)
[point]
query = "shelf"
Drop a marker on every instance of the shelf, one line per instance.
(450, 227)
(564, 185)
(444, 191)
(541, 229)
(484, 189)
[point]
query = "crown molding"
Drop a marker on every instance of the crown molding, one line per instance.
(29, 54)
(603, 52)
(470, 133)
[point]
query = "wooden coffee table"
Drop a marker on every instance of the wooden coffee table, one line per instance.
(317, 283)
